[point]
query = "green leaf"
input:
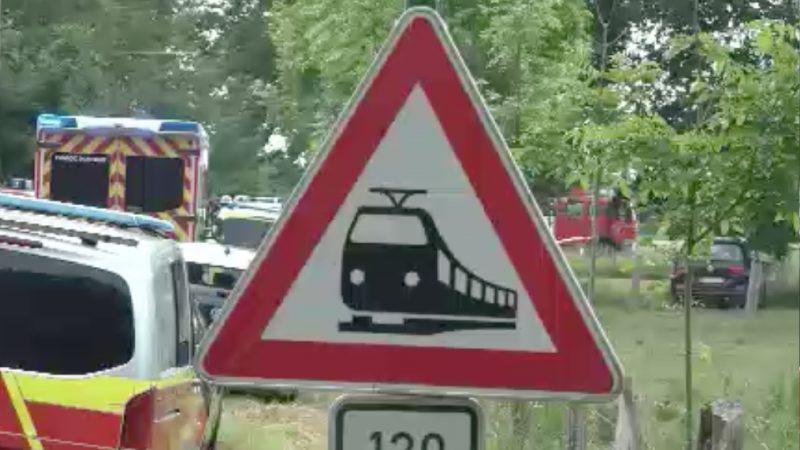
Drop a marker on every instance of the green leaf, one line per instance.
(796, 223)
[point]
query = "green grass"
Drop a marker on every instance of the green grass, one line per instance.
(746, 358)
(248, 424)
(752, 359)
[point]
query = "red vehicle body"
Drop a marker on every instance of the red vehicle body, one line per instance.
(573, 218)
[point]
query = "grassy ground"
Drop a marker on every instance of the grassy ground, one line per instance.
(752, 359)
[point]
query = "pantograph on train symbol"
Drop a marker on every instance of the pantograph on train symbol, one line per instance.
(412, 258)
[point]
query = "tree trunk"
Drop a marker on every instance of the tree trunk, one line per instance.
(627, 434)
(721, 426)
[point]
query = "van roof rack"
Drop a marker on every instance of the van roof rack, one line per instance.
(118, 218)
(86, 237)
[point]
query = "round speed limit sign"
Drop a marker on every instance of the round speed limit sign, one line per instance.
(390, 423)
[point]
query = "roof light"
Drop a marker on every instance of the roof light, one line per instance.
(85, 212)
(69, 122)
(53, 121)
(179, 126)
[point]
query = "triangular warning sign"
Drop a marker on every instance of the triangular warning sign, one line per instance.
(412, 257)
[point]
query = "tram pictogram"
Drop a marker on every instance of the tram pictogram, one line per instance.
(395, 261)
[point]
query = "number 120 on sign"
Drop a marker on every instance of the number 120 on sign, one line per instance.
(381, 423)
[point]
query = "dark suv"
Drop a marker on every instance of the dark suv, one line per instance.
(719, 281)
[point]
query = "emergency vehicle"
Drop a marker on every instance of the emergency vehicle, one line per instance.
(615, 218)
(152, 167)
(244, 225)
(97, 333)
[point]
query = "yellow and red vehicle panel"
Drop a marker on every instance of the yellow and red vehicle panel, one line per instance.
(48, 413)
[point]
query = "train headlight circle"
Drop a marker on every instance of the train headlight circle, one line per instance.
(411, 279)
(357, 276)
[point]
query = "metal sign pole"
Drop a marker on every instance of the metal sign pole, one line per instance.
(437, 4)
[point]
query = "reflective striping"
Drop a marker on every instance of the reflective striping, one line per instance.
(23, 415)
(181, 232)
(11, 434)
(47, 167)
(100, 393)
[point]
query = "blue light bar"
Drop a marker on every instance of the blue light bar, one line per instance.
(84, 212)
(175, 126)
(52, 121)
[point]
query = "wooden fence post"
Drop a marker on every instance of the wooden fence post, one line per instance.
(754, 285)
(721, 426)
(627, 433)
(521, 412)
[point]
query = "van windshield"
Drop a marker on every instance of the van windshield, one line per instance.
(389, 229)
(62, 318)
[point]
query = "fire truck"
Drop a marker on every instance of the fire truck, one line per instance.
(615, 218)
(144, 166)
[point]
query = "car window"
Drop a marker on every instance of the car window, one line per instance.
(726, 252)
(212, 276)
(62, 318)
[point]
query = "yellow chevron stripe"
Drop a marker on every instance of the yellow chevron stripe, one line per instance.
(180, 233)
(117, 168)
(125, 148)
(116, 190)
(142, 146)
(47, 168)
(95, 143)
(69, 147)
(165, 148)
(24, 416)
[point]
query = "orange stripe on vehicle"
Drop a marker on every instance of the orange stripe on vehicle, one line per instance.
(11, 435)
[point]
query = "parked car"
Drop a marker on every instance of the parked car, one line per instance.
(721, 280)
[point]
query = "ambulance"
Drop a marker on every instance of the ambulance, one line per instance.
(152, 167)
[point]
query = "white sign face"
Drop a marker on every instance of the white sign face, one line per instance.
(314, 307)
(376, 423)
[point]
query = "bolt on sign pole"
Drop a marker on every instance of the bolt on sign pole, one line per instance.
(490, 309)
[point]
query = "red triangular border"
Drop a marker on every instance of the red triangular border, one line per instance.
(237, 350)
